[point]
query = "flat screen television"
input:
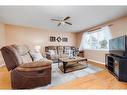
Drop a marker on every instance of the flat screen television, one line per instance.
(118, 46)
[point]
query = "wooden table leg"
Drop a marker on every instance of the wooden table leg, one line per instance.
(64, 66)
(58, 62)
(86, 63)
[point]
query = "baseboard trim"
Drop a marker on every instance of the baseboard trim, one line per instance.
(96, 63)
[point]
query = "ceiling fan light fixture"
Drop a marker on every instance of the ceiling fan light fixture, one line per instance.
(63, 21)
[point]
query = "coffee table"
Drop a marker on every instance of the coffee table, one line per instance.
(72, 64)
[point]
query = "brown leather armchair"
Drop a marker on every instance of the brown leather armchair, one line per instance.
(25, 73)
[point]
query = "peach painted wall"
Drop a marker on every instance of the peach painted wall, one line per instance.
(12, 34)
(2, 40)
(119, 28)
(33, 36)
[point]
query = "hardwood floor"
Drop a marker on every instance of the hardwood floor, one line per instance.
(100, 80)
(5, 81)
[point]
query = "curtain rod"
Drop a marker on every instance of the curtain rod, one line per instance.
(98, 28)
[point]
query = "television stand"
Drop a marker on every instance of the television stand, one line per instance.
(117, 66)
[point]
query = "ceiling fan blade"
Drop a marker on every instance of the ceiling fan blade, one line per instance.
(66, 18)
(55, 19)
(68, 23)
(59, 24)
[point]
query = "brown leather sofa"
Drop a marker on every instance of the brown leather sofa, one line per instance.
(25, 73)
(59, 51)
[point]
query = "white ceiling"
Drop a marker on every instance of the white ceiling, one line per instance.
(82, 17)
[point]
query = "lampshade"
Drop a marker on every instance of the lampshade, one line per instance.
(37, 47)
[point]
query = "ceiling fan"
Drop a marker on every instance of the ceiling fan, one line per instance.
(62, 21)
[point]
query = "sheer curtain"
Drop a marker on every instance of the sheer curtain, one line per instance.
(106, 34)
(91, 40)
(83, 41)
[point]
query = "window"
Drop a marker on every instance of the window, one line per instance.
(95, 40)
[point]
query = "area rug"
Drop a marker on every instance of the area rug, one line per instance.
(58, 77)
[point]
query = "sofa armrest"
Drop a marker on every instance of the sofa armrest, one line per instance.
(48, 56)
(44, 55)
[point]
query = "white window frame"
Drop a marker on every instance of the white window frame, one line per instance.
(86, 47)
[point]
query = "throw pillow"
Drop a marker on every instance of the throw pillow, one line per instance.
(36, 55)
(52, 52)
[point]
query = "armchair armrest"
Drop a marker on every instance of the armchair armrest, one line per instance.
(34, 66)
(32, 69)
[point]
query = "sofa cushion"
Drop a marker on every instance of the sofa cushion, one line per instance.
(52, 52)
(60, 50)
